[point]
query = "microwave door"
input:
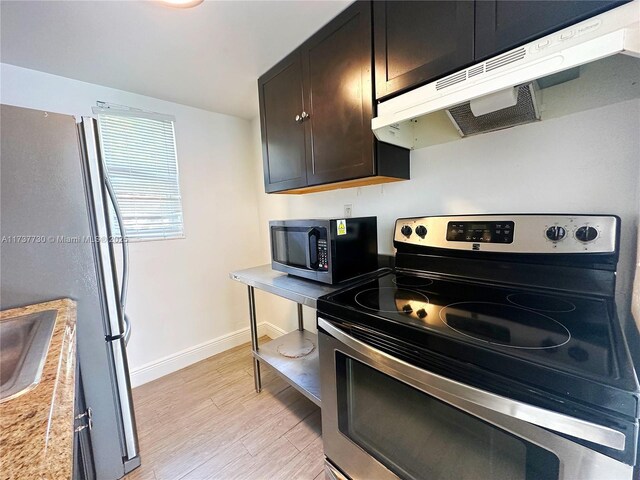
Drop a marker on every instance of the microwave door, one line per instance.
(295, 246)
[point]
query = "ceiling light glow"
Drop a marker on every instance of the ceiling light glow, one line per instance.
(182, 3)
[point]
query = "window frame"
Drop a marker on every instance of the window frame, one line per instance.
(106, 109)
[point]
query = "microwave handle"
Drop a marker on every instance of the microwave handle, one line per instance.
(312, 249)
(435, 383)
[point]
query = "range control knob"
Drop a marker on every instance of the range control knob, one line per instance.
(555, 233)
(586, 234)
(406, 230)
(421, 230)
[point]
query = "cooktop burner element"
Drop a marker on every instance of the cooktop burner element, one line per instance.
(505, 325)
(542, 303)
(479, 316)
(412, 282)
(391, 300)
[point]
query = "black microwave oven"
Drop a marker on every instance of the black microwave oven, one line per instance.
(328, 250)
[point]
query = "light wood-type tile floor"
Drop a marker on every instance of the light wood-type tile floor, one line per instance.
(207, 422)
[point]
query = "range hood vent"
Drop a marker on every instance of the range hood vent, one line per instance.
(451, 80)
(524, 111)
(487, 66)
(605, 35)
(506, 59)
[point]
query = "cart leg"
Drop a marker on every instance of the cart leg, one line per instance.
(254, 339)
(300, 318)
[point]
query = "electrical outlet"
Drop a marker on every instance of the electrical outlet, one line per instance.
(348, 210)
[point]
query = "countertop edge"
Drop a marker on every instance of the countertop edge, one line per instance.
(36, 438)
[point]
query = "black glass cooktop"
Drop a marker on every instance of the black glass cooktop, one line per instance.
(568, 333)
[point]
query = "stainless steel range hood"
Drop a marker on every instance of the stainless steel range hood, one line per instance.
(503, 91)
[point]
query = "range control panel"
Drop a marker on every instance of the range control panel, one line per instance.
(512, 233)
(487, 232)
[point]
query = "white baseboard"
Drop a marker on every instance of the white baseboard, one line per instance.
(184, 358)
(270, 330)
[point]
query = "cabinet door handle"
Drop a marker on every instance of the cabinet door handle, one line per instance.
(299, 119)
(304, 116)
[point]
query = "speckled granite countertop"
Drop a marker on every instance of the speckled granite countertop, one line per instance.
(36, 428)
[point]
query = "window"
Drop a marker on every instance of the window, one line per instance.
(139, 152)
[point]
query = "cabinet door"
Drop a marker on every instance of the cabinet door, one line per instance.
(416, 42)
(339, 98)
(283, 143)
(505, 24)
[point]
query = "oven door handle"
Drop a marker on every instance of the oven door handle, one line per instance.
(541, 417)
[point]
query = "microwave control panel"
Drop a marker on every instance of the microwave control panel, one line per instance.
(323, 256)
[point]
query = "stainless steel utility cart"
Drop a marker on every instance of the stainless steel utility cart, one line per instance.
(294, 356)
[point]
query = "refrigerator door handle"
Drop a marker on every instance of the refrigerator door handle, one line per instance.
(115, 327)
(127, 329)
(124, 391)
(125, 256)
(124, 335)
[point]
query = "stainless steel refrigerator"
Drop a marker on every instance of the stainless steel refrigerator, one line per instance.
(54, 221)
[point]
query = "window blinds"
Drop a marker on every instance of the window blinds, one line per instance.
(140, 156)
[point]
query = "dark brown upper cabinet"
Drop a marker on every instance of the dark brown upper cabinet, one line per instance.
(416, 41)
(316, 107)
(283, 139)
(338, 93)
(502, 25)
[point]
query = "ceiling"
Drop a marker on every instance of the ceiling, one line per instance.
(208, 57)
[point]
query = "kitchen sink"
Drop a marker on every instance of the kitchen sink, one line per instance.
(24, 343)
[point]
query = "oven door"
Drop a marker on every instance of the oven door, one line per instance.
(384, 418)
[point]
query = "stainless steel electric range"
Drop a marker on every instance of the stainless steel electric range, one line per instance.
(492, 351)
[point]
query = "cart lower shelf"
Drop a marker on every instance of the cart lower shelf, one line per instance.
(294, 356)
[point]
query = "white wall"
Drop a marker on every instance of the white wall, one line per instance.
(181, 301)
(586, 162)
